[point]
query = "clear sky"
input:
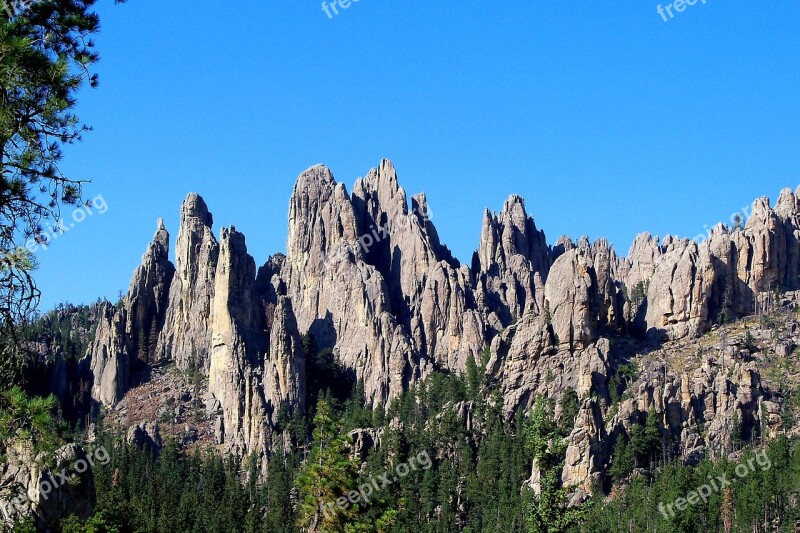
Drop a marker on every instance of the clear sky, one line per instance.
(608, 120)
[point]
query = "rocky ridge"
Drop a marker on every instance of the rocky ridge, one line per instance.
(366, 275)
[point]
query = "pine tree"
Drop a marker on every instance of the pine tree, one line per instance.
(548, 511)
(623, 460)
(570, 405)
(727, 509)
(473, 378)
(29, 420)
(47, 54)
(327, 475)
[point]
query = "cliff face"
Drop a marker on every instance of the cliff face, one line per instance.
(186, 336)
(367, 276)
(237, 347)
(511, 262)
(29, 490)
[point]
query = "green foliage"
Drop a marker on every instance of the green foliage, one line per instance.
(67, 331)
(46, 52)
(639, 293)
(548, 511)
(28, 420)
(327, 475)
(636, 297)
(787, 412)
(767, 494)
(474, 485)
(570, 405)
(749, 342)
(737, 432)
(68, 328)
(326, 377)
(543, 439)
(624, 375)
(623, 459)
(474, 379)
(181, 491)
(646, 442)
(96, 524)
(26, 526)
(486, 356)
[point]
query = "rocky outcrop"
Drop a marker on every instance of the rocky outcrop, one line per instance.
(146, 300)
(365, 274)
(643, 257)
(677, 300)
(572, 300)
(107, 360)
(706, 403)
(766, 235)
(284, 366)
(787, 208)
(430, 296)
(237, 347)
(611, 298)
(527, 360)
(512, 261)
(342, 300)
(186, 337)
(128, 334)
(28, 490)
(145, 433)
(446, 325)
(583, 464)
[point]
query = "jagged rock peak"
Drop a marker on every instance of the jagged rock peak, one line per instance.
(565, 242)
(195, 207)
(316, 175)
(788, 204)
(602, 244)
(381, 185)
(643, 241)
(236, 238)
(196, 240)
(321, 216)
(419, 206)
(158, 250)
(379, 200)
(284, 368)
(511, 232)
(186, 335)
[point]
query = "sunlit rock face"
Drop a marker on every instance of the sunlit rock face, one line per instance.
(366, 275)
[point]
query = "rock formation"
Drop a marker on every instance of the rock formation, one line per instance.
(512, 261)
(284, 366)
(366, 275)
(28, 490)
(186, 337)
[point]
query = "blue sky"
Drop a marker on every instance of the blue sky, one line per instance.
(608, 120)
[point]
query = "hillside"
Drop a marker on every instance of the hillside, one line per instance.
(680, 353)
